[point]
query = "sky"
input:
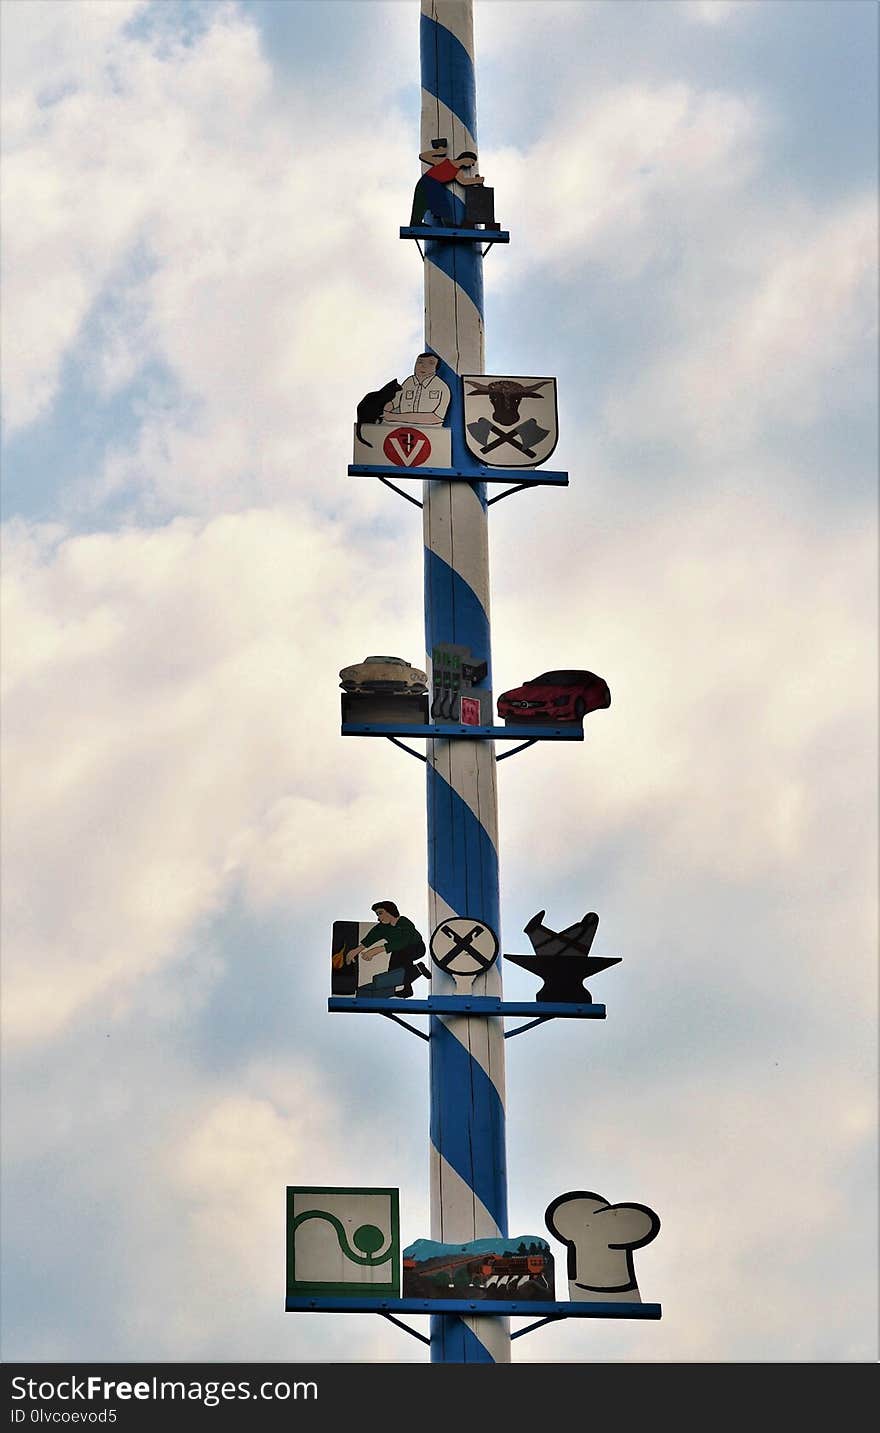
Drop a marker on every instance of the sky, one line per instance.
(202, 277)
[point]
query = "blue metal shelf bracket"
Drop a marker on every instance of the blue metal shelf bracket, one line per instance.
(538, 1324)
(501, 757)
(395, 489)
(504, 754)
(530, 1025)
(417, 754)
(389, 1015)
(420, 1336)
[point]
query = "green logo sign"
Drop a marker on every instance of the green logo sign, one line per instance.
(343, 1241)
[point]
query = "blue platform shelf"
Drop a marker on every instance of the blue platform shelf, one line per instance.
(526, 477)
(543, 1309)
(455, 236)
(524, 732)
(461, 1005)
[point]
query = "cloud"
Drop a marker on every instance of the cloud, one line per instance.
(169, 713)
(751, 310)
(50, 50)
(502, 30)
(160, 1185)
(724, 1175)
(167, 215)
(774, 343)
(623, 173)
(718, 715)
(712, 12)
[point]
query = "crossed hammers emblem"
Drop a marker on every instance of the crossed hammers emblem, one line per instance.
(466, 937)
(462, 943)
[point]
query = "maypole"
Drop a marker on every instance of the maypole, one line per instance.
(457, 430)
(468, 1150)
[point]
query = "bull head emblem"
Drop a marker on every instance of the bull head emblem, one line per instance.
(505, 395)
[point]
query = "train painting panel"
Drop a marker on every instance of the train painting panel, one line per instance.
(514, 1268)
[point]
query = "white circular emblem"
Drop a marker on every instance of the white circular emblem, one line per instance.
(464, 946)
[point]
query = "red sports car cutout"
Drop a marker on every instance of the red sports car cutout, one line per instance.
(555, 697)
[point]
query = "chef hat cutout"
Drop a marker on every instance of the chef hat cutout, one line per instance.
(601, 1238)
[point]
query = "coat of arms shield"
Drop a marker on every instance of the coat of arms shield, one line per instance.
(510, 422)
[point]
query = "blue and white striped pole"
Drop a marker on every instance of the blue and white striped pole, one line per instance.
(468, 1151)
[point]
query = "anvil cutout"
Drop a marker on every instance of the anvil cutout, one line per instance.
(562, 959)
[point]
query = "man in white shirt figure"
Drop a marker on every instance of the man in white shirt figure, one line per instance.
(424, 397)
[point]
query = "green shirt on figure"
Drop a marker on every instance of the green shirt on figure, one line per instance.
(400, 936)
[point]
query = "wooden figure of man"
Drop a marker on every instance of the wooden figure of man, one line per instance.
(396, 934)
(431, 195)
(422, 399)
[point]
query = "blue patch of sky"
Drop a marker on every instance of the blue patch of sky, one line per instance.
(309, 34)
(255, 992)
(56, 1239)
(316, 36)
(594, 347)
(52, 467)
(62, 1183)
(54, 93)
(590, 343)
(177, 22)
(813, 66)
(49, 468)
(269, 1001)
(270, 968)
(818, 62)
(323, 44)
(603, 333)
(832, 461)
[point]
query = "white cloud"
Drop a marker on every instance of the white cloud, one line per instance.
(743, 1188)
(774, 342)
(51, 49)
(226, 1169)
(622, 174)
(172, 178)
(713, 12)
(501, 31)
(170, 707)
(739, 753)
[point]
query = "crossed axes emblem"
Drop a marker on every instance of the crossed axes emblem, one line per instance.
(524, 438)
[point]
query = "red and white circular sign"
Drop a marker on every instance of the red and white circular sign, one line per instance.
(407, 447)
